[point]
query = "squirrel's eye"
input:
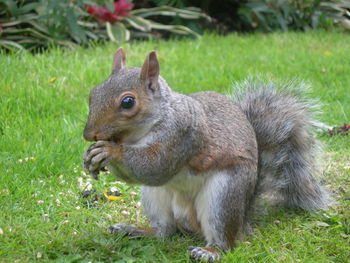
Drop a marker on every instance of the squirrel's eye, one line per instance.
(127, 102)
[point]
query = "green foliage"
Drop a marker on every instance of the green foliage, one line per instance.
(175, 3)
(139, 20)
(35, 24)
(269, 15)
(43, 109)
(32, 25)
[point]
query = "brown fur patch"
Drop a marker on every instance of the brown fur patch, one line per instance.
(146, 231)
(116, 151)
(153, 150)
(213, 158)
(212, 250)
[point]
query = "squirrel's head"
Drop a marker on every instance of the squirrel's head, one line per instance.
(121, 109)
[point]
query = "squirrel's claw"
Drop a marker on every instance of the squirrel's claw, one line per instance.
(95, 175)
(96, 158)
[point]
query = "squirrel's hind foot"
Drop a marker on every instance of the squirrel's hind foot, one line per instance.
(204, 254)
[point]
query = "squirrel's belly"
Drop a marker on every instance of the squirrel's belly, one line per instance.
(186, 189)
(185, 214)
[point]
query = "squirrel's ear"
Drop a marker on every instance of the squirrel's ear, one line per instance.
(150, 71)
(119, 60)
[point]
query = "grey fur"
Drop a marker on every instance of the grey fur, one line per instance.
(203, 158)
(284, 122)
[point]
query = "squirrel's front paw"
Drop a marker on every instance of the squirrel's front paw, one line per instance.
(131, 231)
(204, 254)
(99, 155)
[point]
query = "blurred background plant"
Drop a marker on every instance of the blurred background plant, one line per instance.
(37, 24)
(270, 15)
(338, 11)
(33, 25)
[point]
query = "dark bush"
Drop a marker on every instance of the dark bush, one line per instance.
(268, 15)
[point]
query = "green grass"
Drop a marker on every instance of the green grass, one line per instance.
(43, 108)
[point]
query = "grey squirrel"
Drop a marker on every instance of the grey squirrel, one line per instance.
(203, 158)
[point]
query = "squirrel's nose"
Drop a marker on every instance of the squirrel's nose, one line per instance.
(90, 135)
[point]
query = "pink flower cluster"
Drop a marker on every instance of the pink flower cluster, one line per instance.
(102, 14)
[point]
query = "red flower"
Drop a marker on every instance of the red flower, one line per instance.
(102, 14)
(122, 7)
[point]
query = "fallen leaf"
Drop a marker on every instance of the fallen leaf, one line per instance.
(52, 80)
(113, 195)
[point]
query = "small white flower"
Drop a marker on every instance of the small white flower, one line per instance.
(1, 231)
(125, 213)
(40, 201)
(39, 255)
(133, 193)
(78, 207)
(84, 185)
(5, 191)
(114, 189)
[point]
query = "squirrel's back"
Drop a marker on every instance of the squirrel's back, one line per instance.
(231, 137)
(272, 126)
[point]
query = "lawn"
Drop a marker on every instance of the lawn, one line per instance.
(43, 108)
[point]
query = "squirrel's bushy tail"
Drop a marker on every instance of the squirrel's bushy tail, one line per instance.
(283, 122)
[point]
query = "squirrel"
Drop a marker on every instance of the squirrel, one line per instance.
(202, 159)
